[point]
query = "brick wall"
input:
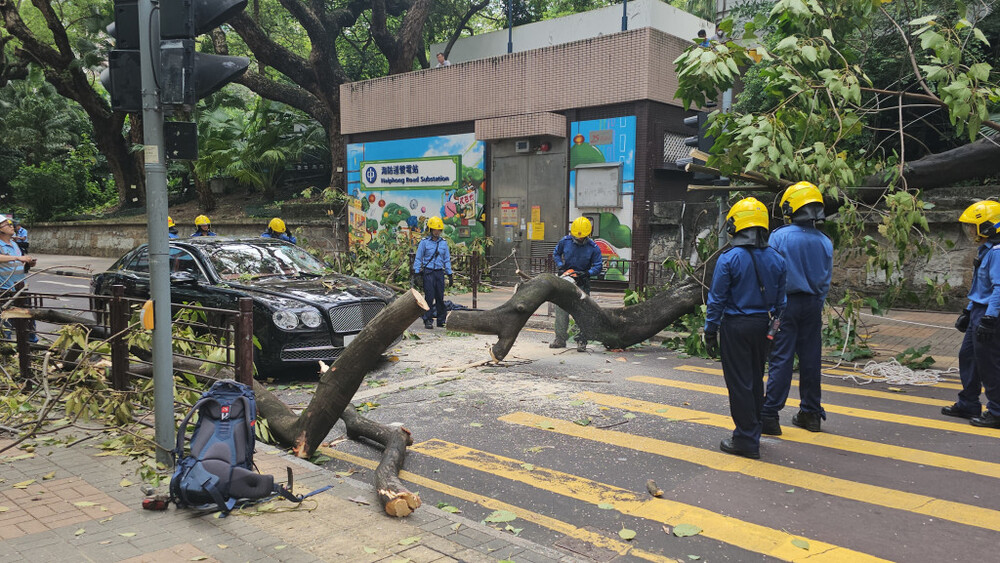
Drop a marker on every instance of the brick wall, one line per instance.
(621, 67)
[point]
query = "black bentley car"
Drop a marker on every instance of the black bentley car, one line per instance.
(303, 311)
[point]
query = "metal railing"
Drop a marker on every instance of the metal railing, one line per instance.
(228, 332)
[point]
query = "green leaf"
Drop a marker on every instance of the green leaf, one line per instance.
(685, 530)
(410, 540)
(980, 36)
(801, 544)
(577, 403)
(924, 20)
(626, 534)
(370, 550)
(809, 52)
(501, 516)
(829, 36)
(527, 467)
(606, 506)
(475, 424)
(513, 530)
(789, 42)
(582, 421)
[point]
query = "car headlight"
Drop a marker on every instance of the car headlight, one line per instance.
(285, 320)
(311, 318)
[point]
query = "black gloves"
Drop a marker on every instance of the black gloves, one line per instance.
(712, 344)
(414, 279)
(985, 330)
(451, 280)
(580, 276)
(962, 322)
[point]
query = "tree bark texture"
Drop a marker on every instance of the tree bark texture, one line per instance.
(397, 500)
(618, 327)
(979, 159)
(304, 432)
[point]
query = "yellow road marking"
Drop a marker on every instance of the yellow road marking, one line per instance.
(920, 422)
(966, 514)
(844, 389)
(744, 535)
(564, 528)
(793, 434)
(837, 388)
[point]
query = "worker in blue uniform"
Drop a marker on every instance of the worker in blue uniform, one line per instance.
(808, 255)
(433, 262)
(171, 228)
(276, 228)
(978, 355)
(203, 227)
(578, 258)
(747, 292)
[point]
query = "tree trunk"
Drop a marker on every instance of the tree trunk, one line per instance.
(980, 159)
(306, 431)
(615, 328)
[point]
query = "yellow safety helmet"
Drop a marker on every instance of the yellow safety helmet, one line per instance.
(980, 219)
(798, 195)
(170, 221)
(276, 225)
(581, 227)
(435, 223)
(746, 213)
(202, 220)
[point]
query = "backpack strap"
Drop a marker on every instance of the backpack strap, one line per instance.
(182, 430)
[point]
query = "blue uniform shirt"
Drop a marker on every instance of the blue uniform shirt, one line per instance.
(21, 234)
(979, 291)
(171, 234)
(584, 257)
(734, 285)
(808, 255)
(281, 236)
(426, 259)
(198, 233)
(989, 275)
(10, 272)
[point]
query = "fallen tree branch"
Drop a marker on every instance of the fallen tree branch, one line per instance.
(396, 499)
(618, 327)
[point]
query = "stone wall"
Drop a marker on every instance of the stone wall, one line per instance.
(111, 239)
(675, 226)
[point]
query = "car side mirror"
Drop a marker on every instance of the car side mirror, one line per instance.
(183, 278)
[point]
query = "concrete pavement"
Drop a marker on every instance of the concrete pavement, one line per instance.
(68, 500)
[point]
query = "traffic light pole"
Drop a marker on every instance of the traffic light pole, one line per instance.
(156, 214)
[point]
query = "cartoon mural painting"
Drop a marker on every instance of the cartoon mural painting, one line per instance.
(398, 185)
(599, 141)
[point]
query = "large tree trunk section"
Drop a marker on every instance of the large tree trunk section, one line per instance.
(980, 159)
(305, 432)
(397, 500)
(615, 328)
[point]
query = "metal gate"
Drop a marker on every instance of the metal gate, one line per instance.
(529, 205)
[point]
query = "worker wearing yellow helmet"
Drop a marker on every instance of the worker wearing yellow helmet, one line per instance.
(203, 227)
(430, 265)
(979, 355)
(276, 228)
(577, 258)
(808, 255)
(171, 228)
(748, 290)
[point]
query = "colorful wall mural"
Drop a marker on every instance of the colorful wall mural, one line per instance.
(396, 186)
(598, 141)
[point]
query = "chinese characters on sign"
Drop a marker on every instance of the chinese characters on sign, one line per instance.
(420, 173)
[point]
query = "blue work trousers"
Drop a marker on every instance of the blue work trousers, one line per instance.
(743, 344)
(968, 370)
(800, 335)
(987, 366)
(434, 295)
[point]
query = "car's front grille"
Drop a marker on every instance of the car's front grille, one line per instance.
(320, 349)
(354, 316)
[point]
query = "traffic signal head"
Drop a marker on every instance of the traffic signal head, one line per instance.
(185, 74)
(184, 19)
(122, 79)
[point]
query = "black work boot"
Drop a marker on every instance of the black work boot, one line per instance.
(957, 411)
(770, 426)
(429, 324)
(558, 343)
(986, 420)
(808, 420)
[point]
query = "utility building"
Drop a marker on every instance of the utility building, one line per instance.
(579, 118)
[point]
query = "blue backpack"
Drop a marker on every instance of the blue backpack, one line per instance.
(219, 470)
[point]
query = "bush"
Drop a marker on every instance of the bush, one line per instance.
(54, 189)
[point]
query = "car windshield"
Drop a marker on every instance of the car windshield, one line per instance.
(246, 261)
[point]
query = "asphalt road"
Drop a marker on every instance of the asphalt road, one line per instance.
(567, 441)
(65, 286)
